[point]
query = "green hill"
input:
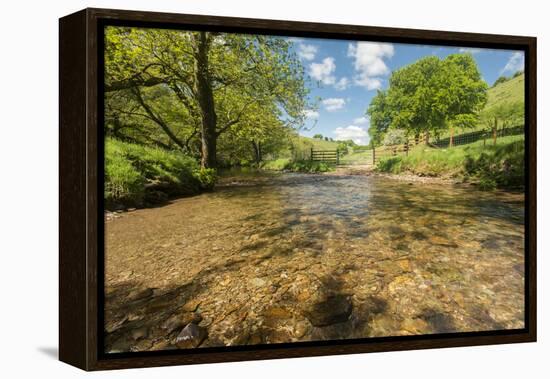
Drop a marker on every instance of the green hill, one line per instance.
(511, 91)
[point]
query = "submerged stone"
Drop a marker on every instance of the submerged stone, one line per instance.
(191, 336)
(334, 309)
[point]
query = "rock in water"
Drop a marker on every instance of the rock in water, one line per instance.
(191, 336)
(332, 310)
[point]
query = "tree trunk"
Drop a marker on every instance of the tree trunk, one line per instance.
(427, 140)
(257, 151)
(451, 137)
(495, 132)
(205, 97)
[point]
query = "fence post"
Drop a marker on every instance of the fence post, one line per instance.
(451, 137)
(373, 155)
(407, 148)
(337, 157)
(311, 155)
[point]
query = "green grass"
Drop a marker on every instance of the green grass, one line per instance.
(136, 175)
(276, 164)
(491, 166)
(511, 91)
(357, 158)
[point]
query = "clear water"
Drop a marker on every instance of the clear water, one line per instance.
(271, 258)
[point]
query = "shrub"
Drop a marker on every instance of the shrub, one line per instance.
(503, 166)
(207, 177)
(308, 166)
(392, 165)
(137, 174)
(276, 164)
(123, 182)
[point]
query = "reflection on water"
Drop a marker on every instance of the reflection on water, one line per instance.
(290, 257)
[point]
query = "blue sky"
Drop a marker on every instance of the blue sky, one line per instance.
(346, 75)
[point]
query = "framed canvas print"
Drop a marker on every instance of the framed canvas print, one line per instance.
(236, 189)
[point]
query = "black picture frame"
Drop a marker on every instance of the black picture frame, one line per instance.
(81, 188)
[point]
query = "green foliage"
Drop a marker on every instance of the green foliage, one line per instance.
(429, 96)
(258, 88)
(394, 137)
(135, 173)
(343, 148)
(518, 73)
(123, 182)
(207, 177)
(308, 166)
(501, 79)
(318, 136)
(502, 164)
(391, 165)
(276, 164)
(304, 165)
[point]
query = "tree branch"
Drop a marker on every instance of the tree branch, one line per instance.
(157, 119)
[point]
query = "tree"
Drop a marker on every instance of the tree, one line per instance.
(395, 137)
(500, 79)
(212, 81)
(429, 96)
(379, 112)
(463, 91)
(517, 73)
(318, 136)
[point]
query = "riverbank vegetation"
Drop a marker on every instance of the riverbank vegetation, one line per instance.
(137, 175)
(431, 100)
(490, 166)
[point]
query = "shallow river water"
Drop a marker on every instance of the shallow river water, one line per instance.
(272, 258)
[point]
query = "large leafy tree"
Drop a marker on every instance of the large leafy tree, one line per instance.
(429, 96)
(196, 86)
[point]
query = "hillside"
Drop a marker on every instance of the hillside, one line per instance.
(510, 91)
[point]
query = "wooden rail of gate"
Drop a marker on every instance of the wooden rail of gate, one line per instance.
(328, 156)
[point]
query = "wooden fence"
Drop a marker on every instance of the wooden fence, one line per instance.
(383, 152)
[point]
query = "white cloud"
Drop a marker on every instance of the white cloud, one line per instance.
(515, 63)
(369, 62)
(334, 103)
(355, 133)
(471, 50)
(323, 71)
(342, 84)
(307, 52)
(310, 113)
(361, 120)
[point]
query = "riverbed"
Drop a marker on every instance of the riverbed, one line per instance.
(273, 258)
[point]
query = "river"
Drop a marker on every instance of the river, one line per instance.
(271, 258)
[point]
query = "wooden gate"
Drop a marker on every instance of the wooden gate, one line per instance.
(328, 156)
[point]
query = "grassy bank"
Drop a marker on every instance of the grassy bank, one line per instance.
(499, 166)
(137, 175)
(286, 164)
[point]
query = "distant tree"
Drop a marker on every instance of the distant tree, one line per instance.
(517, 73)
(343, 147)
(326, 139)
(501, 79)
(318, 136)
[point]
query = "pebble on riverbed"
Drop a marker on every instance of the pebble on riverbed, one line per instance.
(191, 336)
